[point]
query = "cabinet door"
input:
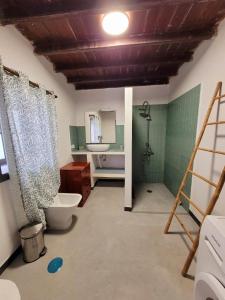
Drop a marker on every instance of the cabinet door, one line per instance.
(74, 182)
(71, 181)
(86, 180)
(85, 193)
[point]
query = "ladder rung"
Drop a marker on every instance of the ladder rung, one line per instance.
(203, 178)
(212, 151)
(215, 123)
(192, 203)
(185, 229)
(219, 97)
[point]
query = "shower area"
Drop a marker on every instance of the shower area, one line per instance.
(149, 135)
(163, 138)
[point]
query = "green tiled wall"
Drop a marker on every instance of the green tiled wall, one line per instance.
(119, 138)
(77, 137)
(73, 136)
(182, 114)
(152, 171)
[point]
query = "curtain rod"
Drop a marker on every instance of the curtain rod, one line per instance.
(33, 84)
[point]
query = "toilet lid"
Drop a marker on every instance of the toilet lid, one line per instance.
(207, 287)
(8, 290)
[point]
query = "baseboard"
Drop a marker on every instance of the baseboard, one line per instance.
(194, 218)
(128, 208)
(10, 259)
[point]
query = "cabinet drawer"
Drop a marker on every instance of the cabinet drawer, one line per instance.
(75, 178)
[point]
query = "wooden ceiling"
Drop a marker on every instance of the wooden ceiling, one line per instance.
(162, 35)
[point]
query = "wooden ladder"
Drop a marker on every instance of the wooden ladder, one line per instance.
(189, 171)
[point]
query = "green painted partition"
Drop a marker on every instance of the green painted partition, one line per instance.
(182, 115)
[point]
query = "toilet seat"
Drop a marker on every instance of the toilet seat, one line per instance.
(8, 290)
(207, 287)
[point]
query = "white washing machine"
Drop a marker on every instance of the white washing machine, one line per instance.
(210, 271)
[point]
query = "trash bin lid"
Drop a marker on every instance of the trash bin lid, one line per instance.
(30, 231)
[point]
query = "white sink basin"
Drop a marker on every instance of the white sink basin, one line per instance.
(98, 147)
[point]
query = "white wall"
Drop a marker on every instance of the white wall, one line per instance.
(93, 100)
(156, 94)
(113, 99)
(17, 53)
(8, 226)
(207, 68)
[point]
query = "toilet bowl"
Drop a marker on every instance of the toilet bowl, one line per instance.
(8, 290)
(59, 214)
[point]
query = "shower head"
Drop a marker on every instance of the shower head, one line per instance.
(143, 114)
(145, 111)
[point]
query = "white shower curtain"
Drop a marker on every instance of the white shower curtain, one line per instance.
(31, 117)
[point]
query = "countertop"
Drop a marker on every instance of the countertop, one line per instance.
(109, 152)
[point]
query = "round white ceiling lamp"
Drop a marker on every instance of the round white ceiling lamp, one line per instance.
(115, 23)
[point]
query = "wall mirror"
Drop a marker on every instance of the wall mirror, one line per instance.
(100, 127)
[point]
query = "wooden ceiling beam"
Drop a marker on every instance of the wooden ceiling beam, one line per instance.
(129, 41)
(53, 11)
(116, 84)
(123, 78)
(159, 61)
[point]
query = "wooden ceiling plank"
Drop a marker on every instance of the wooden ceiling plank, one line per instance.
(186, 16)
(145, 23)
(119, 78)
(71, 29)
(116, 84)
(163, 61)
(89, 6)
(132, 41)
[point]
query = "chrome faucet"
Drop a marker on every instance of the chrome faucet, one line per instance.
(100, 139)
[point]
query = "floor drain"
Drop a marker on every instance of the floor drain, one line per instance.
(55, 265)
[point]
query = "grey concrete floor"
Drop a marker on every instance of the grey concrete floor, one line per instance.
(112, 254)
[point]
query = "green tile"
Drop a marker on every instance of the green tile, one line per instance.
(153, 170)
(119, 138)
(73, 136)
(81, 137)
(182, 115)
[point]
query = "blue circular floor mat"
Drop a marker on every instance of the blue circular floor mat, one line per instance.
(55, 265)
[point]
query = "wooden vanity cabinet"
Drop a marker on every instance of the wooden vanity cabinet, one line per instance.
(75, 178)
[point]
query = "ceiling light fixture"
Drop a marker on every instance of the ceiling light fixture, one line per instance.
(115, 23)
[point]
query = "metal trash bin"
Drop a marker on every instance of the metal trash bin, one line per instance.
(32, 240)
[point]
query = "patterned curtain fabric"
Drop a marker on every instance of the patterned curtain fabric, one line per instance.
(32, 123)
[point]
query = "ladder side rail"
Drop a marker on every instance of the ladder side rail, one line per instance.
(209, 210)
(190, 164)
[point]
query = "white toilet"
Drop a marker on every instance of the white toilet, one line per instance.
(59, 214)
(210, 271)
(8, 290)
